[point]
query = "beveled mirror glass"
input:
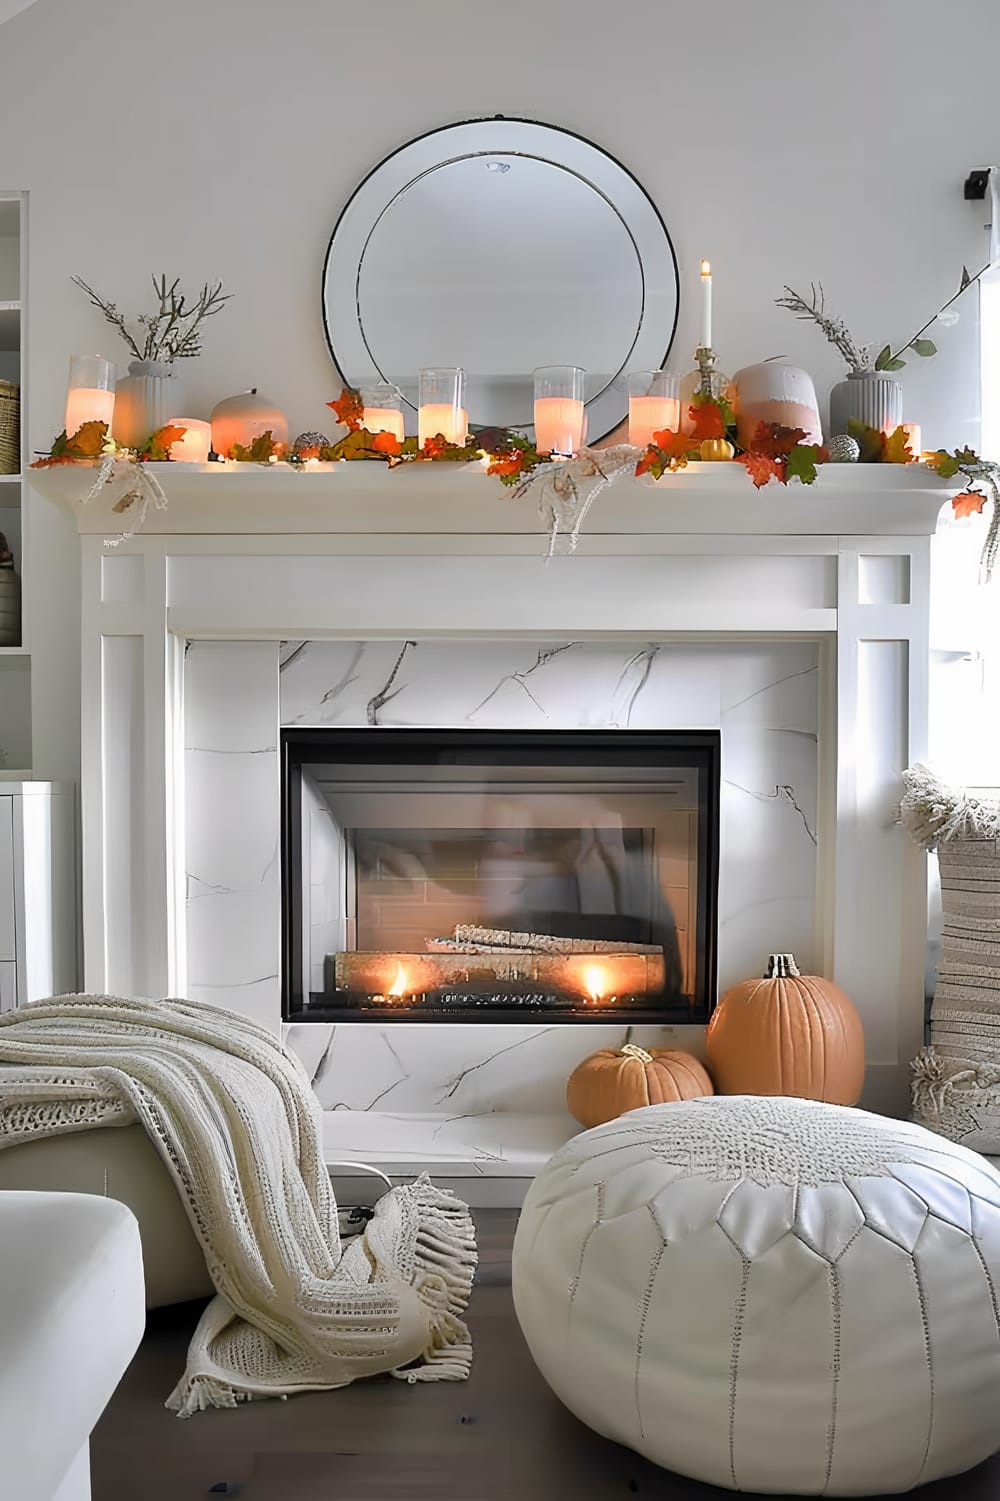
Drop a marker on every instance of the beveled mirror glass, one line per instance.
(501, 245)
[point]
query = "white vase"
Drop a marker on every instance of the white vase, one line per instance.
(776, 392)
(872, 398)
(144, 400)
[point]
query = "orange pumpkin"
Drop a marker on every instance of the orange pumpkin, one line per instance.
(614, 1080)
(788, 1034)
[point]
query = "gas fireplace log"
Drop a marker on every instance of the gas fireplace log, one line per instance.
(590, 976)
(543, 943)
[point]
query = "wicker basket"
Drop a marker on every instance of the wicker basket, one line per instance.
(10, 428)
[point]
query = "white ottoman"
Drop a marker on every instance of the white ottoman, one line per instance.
(770, 1294)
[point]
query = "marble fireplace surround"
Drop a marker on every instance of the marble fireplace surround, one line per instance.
(795, 620)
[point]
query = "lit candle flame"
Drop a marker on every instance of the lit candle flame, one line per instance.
(706, 269)
(398, 986)
(596, 981)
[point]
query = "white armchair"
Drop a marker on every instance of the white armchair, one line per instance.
(72, 1312)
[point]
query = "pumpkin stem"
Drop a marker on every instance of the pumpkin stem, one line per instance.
(631, 1051)
(781, 966)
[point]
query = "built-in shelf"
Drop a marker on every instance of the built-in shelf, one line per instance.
(10, 327)
(15, 661)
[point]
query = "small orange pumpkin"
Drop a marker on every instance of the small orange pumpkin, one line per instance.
(614, 1080)
(788, 1034)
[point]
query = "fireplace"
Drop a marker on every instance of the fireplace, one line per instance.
(499, 875)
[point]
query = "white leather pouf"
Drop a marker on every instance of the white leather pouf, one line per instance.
(770, 1294)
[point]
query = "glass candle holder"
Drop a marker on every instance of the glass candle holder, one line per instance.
(441, 406)
(194, 447)
(383, 409)
(653, 404)
(705, 382)
(90, 396)
(559, 411)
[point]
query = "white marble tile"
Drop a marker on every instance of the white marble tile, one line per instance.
(230, 696)
(488, 1146)
(472, 1068)
(232, 826)
(504, 684)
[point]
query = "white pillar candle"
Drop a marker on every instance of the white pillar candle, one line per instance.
(439, 417)
(558, 424)
(194, 447)
(706, 306)
(87, 404)
(383, 420)
(651, 414)
(913, 437)
(90, 395)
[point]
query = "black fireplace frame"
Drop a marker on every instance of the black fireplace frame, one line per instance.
(701, 749)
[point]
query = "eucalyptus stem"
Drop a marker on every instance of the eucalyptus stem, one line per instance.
(967, 282)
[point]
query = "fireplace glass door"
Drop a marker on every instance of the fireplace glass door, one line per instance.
(433, 875)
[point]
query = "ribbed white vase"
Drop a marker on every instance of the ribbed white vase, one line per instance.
(873, 398)
(144, 400)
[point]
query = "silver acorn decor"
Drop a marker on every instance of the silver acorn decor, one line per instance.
(310, 440)
(843, 449)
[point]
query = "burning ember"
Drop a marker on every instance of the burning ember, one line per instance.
(596, 974)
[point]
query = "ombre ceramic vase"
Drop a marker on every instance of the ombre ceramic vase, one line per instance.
(870, 397)
(775, 392)
(144, 400)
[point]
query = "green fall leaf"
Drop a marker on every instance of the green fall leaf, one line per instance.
(257, 452)
(883, 358)
(801, 462)
(924, 347)
(869, 439)
(944, 463)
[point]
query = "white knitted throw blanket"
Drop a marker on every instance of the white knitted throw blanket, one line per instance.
(238, 1126)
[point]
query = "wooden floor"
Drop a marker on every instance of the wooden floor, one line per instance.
(500, 1435)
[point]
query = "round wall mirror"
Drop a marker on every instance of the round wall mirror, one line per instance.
(501, 245)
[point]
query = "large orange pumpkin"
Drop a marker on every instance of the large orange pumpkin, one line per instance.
(788, 1034)
(614, 1080)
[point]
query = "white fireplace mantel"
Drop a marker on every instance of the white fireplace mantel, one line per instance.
(353, 552)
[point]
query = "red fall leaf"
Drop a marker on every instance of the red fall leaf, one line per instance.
(674, 445)
(707, 421)
(506, 464)
(774, 440)
(386, 443)
(762, 467)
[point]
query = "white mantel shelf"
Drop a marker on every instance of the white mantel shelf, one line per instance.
(428, 500)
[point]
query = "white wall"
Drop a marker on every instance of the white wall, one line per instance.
(786, 141)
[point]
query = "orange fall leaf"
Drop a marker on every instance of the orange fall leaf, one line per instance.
(969, 503)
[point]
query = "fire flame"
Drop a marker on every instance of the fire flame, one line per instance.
(399, 984)
(596, 981)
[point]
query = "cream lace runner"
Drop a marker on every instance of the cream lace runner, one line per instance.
(238, 1126)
